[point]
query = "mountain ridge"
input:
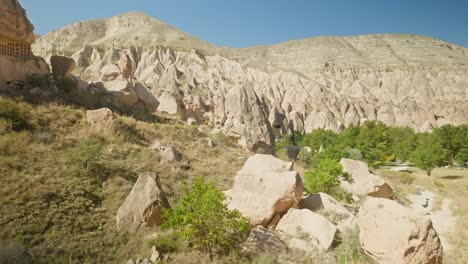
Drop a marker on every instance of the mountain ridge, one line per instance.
(258, 93)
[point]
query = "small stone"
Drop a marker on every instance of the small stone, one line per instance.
(210, 142)
(191, 121)
(130, 261)
(154, 255)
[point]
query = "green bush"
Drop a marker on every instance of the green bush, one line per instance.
(67, 84)
(166, 243)
(86, 156)
(325, 177)
(429, 154)
(14, 115)
(38, 80)
(202, 218)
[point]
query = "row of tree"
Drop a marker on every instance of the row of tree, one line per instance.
(378, 144)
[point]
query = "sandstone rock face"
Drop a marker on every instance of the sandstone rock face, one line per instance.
(122, 90)
(392, 233)
(14, 24)
(364, 183)
(126, 67)
(143, 206)
(305, 230)
(255, 94)
(330, 208)
(16, 37)
(263, 240)
(264, 189)
(61, 66)
(101, 119)
(17, 70)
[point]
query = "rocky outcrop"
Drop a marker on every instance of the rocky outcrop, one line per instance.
(256, 94)
(330, 208)
(265, 189)
(61, 66)
(307, 231)
(16, 36)
(14, 24)
(392, 233)
(102, 119)
(363, 182)
(167, 153)
(263, 240)
(13, 69)
(143, 206)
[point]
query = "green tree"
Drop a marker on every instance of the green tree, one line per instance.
(448, 136)
(318, 138)
(202, 218)
(429, 154)
(462, 156)
(374, 142)
(404, 142)
(324, 177)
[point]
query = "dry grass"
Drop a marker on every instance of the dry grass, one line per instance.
(445, 183)
(64, 216)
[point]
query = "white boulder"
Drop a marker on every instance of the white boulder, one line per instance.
(391, 233)
(264, 189)
(305, 230)
(363, 182)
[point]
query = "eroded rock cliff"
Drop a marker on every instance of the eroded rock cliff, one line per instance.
(255, 94)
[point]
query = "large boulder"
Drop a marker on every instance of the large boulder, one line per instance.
(263, 240)
(392, 233)
(265, 189)
(307, 231)
(145, 96)
(123, 90)
(170, 104)
(363, 182)
(101, 119)
(330, 208)
(143, 206)
(61, 66)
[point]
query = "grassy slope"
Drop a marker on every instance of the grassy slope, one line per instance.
(64, 216)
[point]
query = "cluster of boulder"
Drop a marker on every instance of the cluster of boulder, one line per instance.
(269, 193)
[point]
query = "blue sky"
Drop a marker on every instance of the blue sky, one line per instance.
(243, 23)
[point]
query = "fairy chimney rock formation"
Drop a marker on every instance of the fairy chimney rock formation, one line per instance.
(16, 37)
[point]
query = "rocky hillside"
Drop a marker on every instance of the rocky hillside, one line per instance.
(258, 93)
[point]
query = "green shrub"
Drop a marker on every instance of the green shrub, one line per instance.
(324, 177)
(14, 115)
(166, 243)
(67, 84)
(202, 218)
(38, 80)
(86, 156)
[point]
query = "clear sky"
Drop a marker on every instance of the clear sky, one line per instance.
(243, 23)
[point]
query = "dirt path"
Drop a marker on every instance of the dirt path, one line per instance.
(439, 211)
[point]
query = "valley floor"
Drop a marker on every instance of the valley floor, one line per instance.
(446, 191)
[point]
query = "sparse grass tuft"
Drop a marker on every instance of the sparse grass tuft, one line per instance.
(349, 250)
